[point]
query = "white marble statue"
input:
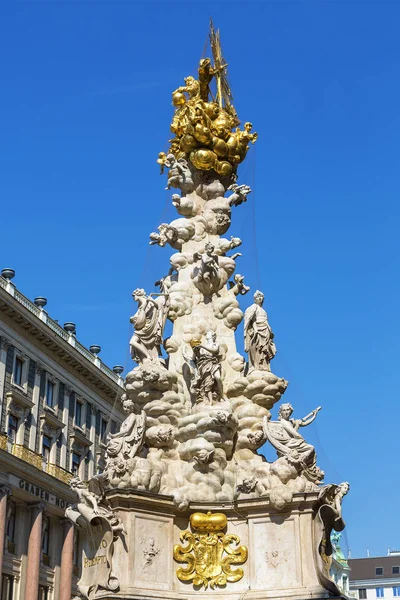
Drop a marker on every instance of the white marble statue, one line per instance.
(258, 335)
(240, 193)
(237, 286)
(149, 322)
(208, 269)
(179, 175)
(285, 437)
(127, 442)
(207, 383)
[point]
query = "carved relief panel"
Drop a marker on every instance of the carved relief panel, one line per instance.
(276, 548)
(153, 551)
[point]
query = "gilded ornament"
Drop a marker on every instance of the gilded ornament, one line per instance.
(203, 159)
(178, 99)
(188, 142)
(211, 109)
(209, 554)
(220, 147)
(207, 119)
(202, 134)
(223, 168)
(209, 521)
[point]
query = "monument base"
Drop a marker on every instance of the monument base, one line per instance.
(280, 558)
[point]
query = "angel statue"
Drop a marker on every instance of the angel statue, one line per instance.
(258, 335)
(206, 370)
(285, 437)
(128, 441)
(240, 193)
(149, 322)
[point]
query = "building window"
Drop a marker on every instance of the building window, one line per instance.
(395, 570)
(76, 461)
(379, 571)
(362, 593)
(7, 587)
(43, 592)
(380, 592)
(10, 532)
(50, 393)
(12, 428)
(78, 414)
(396, 591)
(103, 429)
(46, 447)
(46, 541)
(18, 368)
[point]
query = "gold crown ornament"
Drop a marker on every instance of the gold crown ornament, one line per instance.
(208, 522)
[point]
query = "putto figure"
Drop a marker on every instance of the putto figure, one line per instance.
(258, 335)
(208, 269)
(285, 437)
(149, 322)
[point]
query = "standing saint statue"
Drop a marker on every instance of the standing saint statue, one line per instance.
(258, 335)
(207, 382)
(149, 322)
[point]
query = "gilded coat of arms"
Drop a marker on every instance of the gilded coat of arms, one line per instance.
(209, 552)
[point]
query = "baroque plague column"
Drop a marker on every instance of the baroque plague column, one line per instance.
(187, 506)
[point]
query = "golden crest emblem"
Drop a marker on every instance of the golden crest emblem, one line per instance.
(209, 552)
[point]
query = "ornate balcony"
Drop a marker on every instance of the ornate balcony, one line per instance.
(27, 455)
(59, 473)
(3, 441)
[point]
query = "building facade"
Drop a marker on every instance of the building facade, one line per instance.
(58, 401)
(340, 570)
(375, 577)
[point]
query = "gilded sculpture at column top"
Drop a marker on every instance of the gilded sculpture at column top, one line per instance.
(209, 552)
(205, 124)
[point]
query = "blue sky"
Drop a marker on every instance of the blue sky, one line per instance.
(85, 108)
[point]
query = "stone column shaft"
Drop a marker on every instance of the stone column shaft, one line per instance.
(34, 553)
(4, 492)
(67, 553)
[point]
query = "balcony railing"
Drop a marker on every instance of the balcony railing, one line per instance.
(59, 473)
(27, 455)
(35, 459)
(3, 441)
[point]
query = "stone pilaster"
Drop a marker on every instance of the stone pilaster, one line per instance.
(35, 408)
(3, 359)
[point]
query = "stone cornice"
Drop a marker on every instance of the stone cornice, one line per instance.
(240, 509)
(49, 417)
(17, 396)
(51, 343)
